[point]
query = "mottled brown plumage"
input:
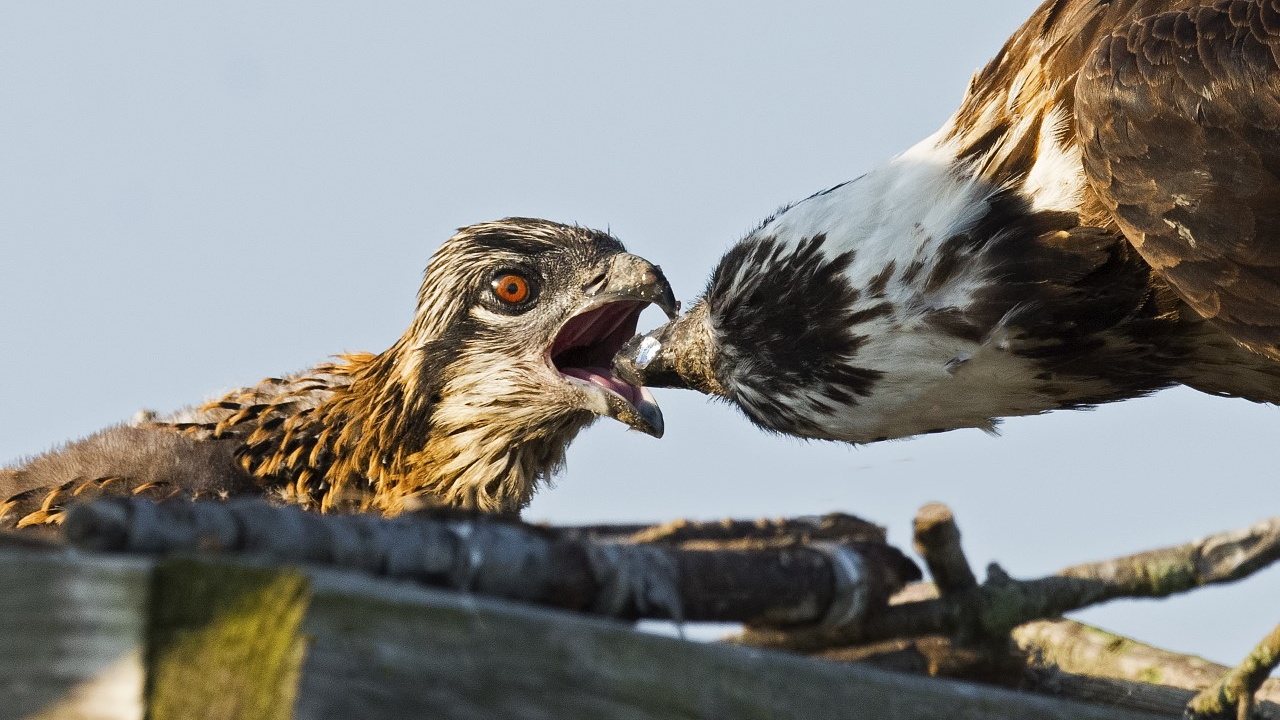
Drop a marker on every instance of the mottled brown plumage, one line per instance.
(1180, 117)
(472, 407)
(1175, 105)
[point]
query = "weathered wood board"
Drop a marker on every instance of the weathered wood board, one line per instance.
(90, 636)
(72, 636)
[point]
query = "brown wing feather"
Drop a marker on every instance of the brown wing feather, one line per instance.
(254, 440)
(122, 460)
(1179, 117)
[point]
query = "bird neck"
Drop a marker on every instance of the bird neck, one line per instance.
(402, 442)
(350, 449)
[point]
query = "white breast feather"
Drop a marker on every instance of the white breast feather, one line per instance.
(901, 213)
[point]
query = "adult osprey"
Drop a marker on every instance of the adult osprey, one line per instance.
(506, 360)
(1099, 220)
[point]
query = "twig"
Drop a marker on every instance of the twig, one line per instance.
(1233, 697)
(739, 534)
(1063, 658)
(798, 584)
(937, 539)
(1161, 700)
(991, 659)
(1085, 662)
(1075, 647)
(1002, 603)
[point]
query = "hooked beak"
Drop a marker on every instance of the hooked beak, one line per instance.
(583, 349)
(680, 354)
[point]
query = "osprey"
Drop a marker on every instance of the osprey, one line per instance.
(1099, 220)
(506, 360)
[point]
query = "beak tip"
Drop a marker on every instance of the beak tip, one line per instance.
(646, 419)
(646, 416)
(641, 414)
(670, 305)
(653, 424)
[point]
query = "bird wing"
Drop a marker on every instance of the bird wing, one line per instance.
(120, 460)
(259, 439)
(1179, 118)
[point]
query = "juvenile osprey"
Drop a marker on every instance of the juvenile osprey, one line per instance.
(1099, 220)
(506, 360)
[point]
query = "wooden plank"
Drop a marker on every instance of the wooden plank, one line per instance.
(71, 636)
(381, 649)
(378, 648)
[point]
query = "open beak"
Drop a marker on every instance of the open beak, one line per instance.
(583, 349)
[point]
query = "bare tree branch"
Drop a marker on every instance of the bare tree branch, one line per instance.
(937, 539)
(1163, 700)
(796, 583)
(1075, 647)
(1002, 603)
(1233, 697)
(739, 534)
(1063, 658)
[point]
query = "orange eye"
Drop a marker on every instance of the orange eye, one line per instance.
(511, 288)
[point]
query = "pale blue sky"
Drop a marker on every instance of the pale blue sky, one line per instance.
(194, 198)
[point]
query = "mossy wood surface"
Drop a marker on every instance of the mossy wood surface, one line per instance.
(88, 636)
(233, 633)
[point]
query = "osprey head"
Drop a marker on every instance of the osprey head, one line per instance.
(524, 317)
(509, 356)
(770, 334)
